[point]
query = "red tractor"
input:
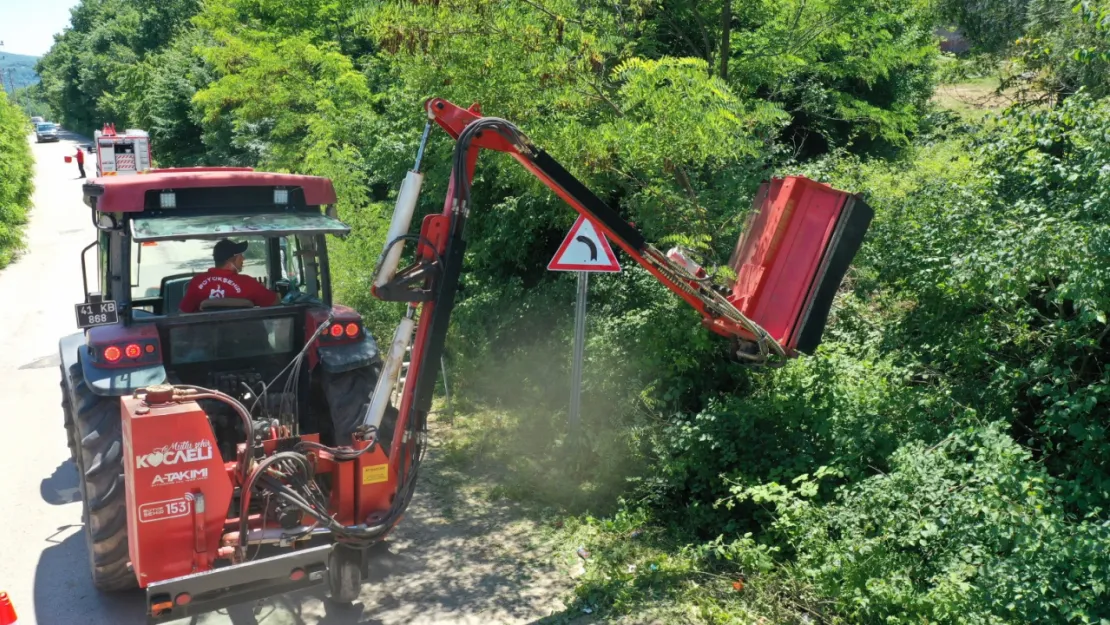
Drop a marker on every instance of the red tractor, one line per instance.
(201, 436)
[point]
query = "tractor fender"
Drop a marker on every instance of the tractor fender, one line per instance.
(72, 350)
(348, 356)
(107, 381)
(117, 382)
(67, 350)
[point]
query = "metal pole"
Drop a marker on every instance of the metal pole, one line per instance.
(579, 352)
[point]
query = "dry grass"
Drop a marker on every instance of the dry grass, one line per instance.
(974, 98)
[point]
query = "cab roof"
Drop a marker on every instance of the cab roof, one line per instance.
(128, 194)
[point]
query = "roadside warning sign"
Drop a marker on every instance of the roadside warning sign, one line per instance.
(584, 249)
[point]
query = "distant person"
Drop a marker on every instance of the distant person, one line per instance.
(80, 161)
(226, 279)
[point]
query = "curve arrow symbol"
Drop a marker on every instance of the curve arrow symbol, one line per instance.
(593, 248)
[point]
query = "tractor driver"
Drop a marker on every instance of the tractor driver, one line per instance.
(225, 279)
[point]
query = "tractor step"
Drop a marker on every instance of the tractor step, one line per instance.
(195, 594)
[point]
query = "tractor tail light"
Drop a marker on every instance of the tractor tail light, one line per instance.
(112, 353)
(342, 332)
(129, 354)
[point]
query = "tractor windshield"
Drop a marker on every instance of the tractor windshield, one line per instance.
(153, 262)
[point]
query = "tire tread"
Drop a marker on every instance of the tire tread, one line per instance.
(97, 424)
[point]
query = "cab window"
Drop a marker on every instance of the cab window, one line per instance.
(152, 262)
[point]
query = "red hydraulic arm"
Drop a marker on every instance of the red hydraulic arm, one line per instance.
(430, 284)
(718, 314)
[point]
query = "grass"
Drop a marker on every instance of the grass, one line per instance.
(973, 98)
(529, 456)
(971, 87)
(628, 567)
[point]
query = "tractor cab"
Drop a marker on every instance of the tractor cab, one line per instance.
(156, 231)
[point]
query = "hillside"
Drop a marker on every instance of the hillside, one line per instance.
(17, 70)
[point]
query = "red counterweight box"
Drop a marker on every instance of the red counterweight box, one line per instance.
(792, 257)
(177, 487)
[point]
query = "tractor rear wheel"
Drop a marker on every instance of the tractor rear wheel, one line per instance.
(67, 417)
(98, 430)
(347, 394)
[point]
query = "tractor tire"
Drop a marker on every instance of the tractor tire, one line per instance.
(67, 418)
(98, 427)
(347, 394)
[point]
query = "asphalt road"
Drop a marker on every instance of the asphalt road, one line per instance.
(455, 558)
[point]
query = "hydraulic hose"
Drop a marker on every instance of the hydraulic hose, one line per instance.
(248, 484)
(299, 358)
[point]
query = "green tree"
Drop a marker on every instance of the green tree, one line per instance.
(32, 100)
(83, 73)
(160, 91)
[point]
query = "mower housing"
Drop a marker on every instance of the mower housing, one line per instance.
(792, 256)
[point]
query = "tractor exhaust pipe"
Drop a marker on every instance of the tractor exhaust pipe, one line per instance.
(402, 216)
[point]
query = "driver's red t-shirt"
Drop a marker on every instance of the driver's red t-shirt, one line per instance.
(216, 283)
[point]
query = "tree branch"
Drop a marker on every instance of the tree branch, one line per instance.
(605, 99)
(684, 180)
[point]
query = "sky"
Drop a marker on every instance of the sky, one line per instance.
(28, 26)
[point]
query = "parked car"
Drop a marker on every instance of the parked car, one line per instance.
(46, 132)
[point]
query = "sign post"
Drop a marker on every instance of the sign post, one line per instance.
(579, 351)
(584, 250)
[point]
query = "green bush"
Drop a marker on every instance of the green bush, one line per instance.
(838, 409)
(16, 172)
(1005, 276)
(980, 297)
(969, 530)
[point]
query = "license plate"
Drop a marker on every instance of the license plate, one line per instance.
(99, 314)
